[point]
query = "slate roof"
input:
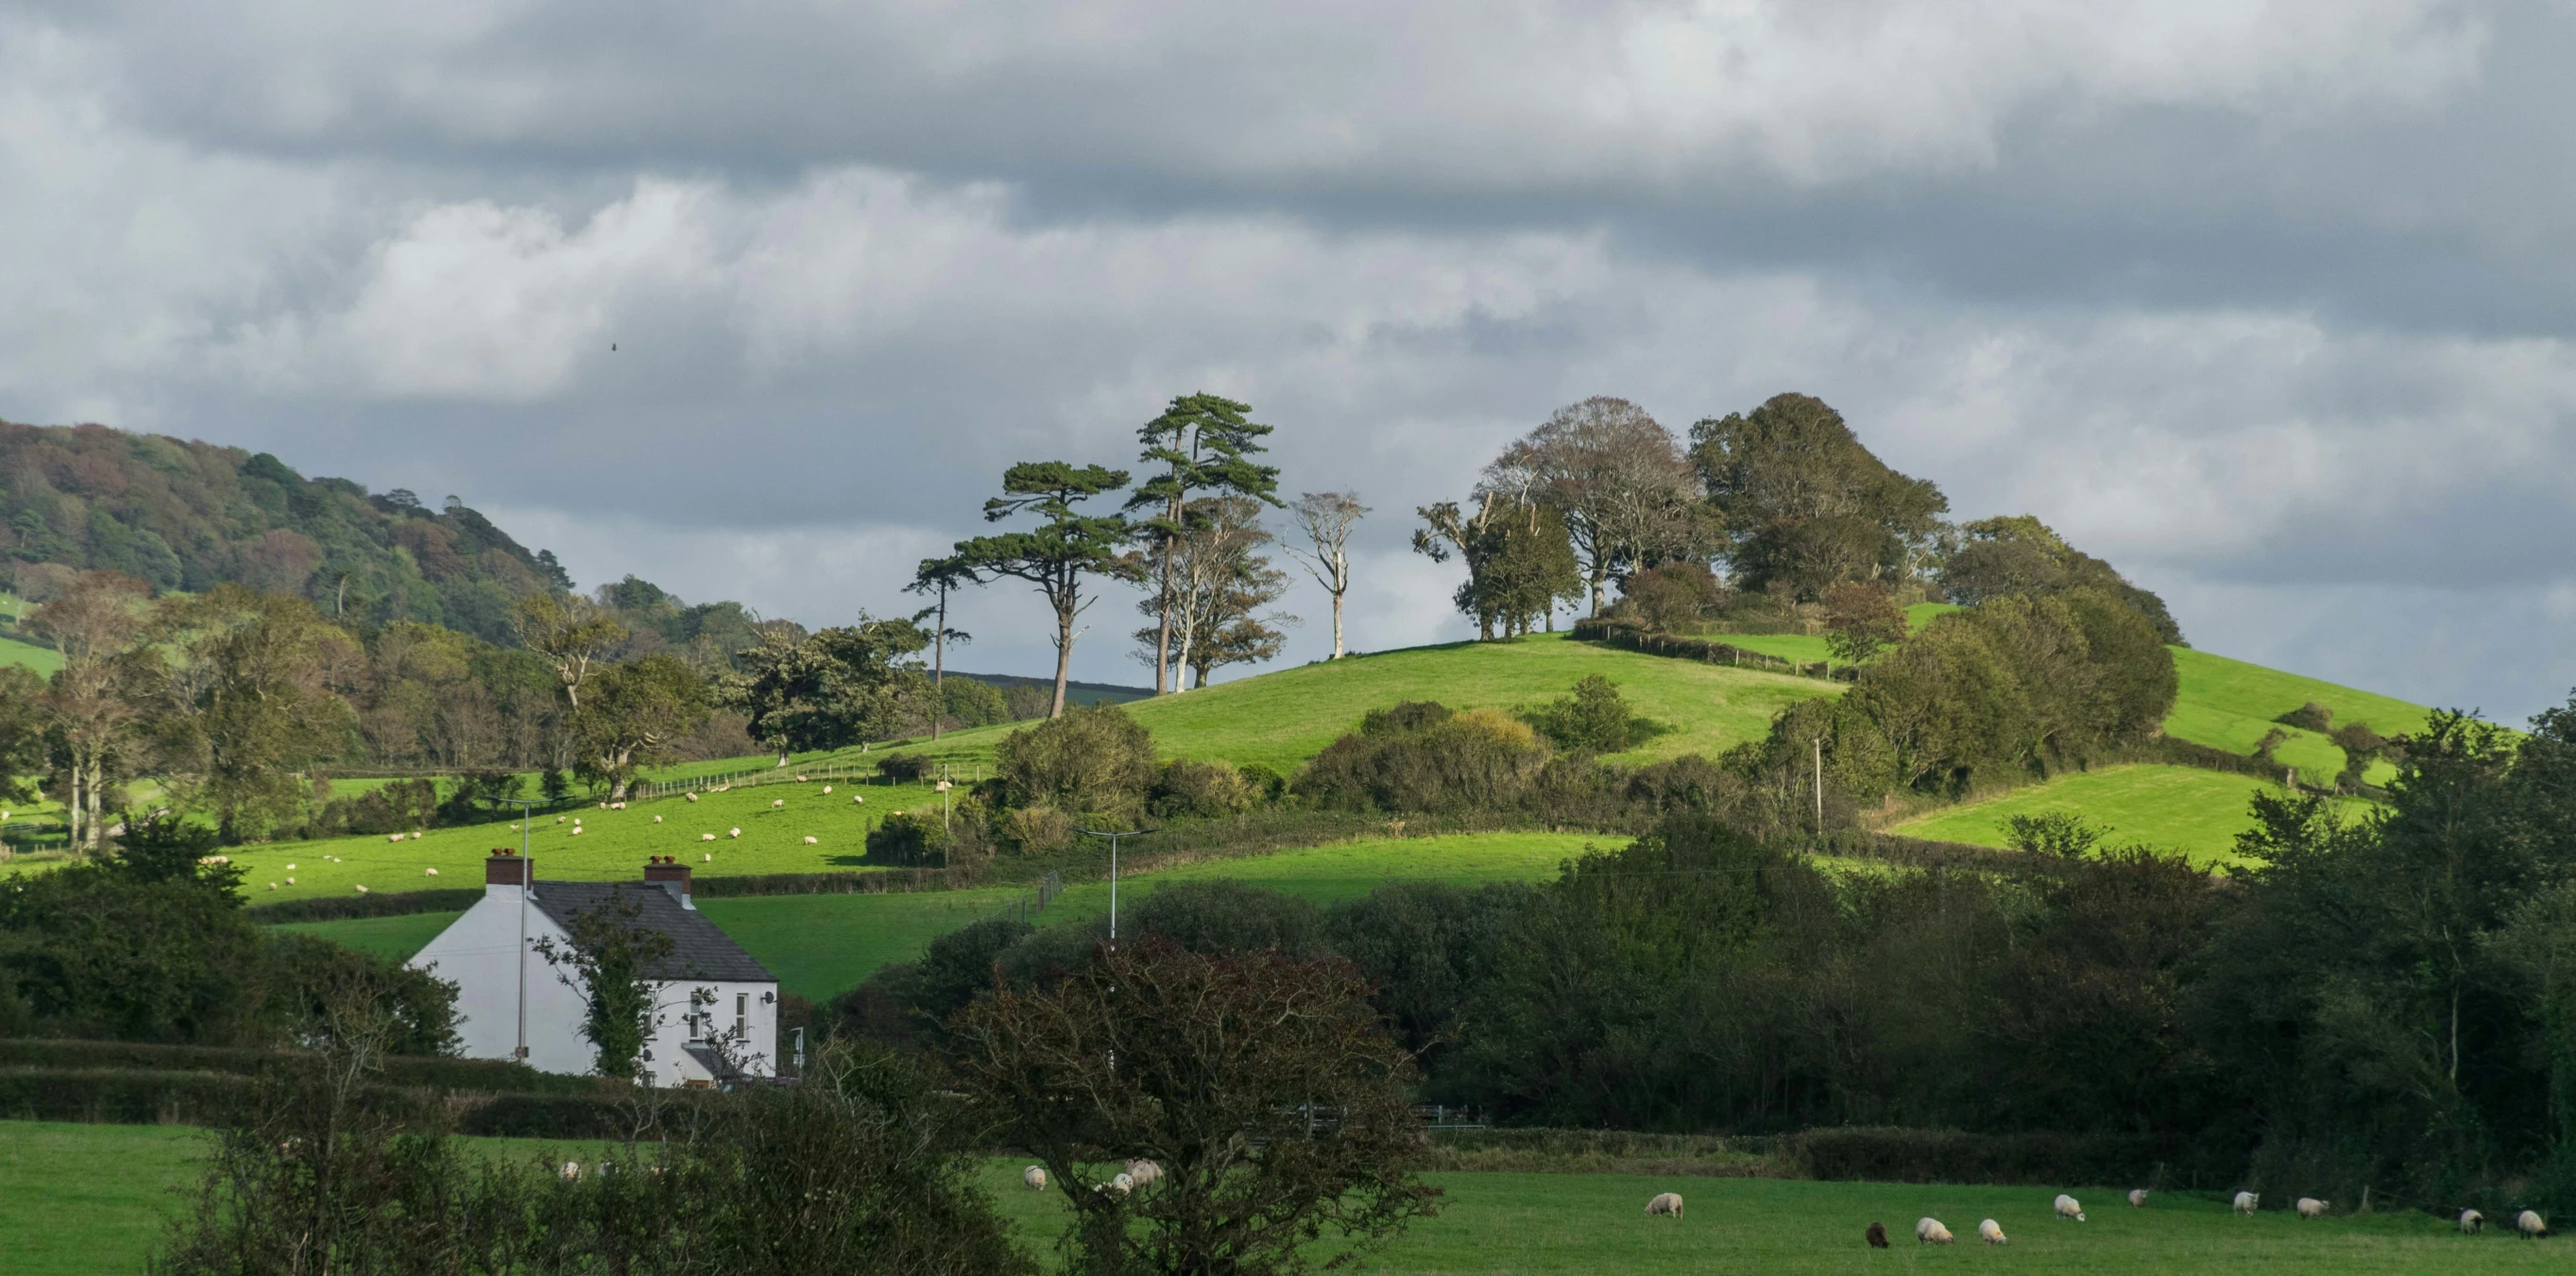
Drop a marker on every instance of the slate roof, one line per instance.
(699, 949)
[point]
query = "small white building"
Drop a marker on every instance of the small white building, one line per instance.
(715, 1013)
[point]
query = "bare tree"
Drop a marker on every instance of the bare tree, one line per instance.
(1326, 519)
(1617, 478)
(1215, 582)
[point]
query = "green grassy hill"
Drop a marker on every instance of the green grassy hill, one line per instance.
(2229, 704)
(2182, 808)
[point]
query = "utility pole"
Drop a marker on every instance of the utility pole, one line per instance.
(1113, 873)
(1820, 786)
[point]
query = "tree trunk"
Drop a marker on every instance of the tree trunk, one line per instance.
(1597, 578)
(1163, 629)
(1337, 622)
(1064, 659)
(939, 667)
(97, 773)
(72, 810)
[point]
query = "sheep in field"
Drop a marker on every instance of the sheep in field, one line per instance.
(813, 841)
(393, 837)
(2472, 1222)
(1929, 1231)
(776, 803)
(1123, 1184)
(433, 872)
(2311, 1207)
(571, 1171)
(735, 833)
(693, 797)
(1992, 1232)
(576, 830)
(2138, 1197)
(657, 819)
(1035, 1177)
(2530, 1224)
(1876, 1236)
(362, 890)
(827, 790)
(706, 837)
(2245, 1201)
(708, 858)
(1144, 1172)
(1665, 1203)
(2067, 1208)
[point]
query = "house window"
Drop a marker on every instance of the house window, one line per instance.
(695, 1033)
(742, 1016)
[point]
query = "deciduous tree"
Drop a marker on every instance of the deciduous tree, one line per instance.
(1807, 506)
(94, 622)
(636, 710)
(570, 631)
(1626, 493)
(242, 691)
(1326, 519)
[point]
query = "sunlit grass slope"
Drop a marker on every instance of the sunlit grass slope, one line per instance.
(2229, 704)
(2184, 808)
(821, 944)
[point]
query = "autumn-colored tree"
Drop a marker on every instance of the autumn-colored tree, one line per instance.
(1860, 621)
(94, 622)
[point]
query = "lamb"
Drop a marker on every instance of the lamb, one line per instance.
(1035, 1177)
(2531, 1224)
(2472, 1222)
(2245, 1202)
(558, 819)
(800, 779)
(432, 872)
(290, 868)
(693, 797)
(415, 836)
(858, 799)
(1145, 1172)
(708, 858)
(1992, 1233)
(736, 833)
(1876, 1236)
(827, 790)
(813, 841)
(290, 881)
(706, 837)
(576, 830)
(603, 806)
(657, 819)
(272, 886)
(1929, 1231)
(1665, 1203)
(777, 803)
(1123, 1184)
(2067, 1208)
(2311, 1207)
(2138, 1197)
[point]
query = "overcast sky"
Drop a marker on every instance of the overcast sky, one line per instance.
(2271, 305)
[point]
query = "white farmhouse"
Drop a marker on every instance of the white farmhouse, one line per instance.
(715, 1010)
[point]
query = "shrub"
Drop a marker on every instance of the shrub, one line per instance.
(1267, 785)
(2061, 833)
(1595, 719)
(1092, 763)
(1207, 790)
(1860, 620)
(905, 768)
(1671, 597)
(554, 786)
(2309, 717)
(1222, 916)
(1037, 830)
(909, 840)
(1422, 757)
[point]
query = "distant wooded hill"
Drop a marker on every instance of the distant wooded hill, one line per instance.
(186, 515)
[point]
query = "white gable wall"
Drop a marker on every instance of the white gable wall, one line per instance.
(753, 1051)
(482, 955)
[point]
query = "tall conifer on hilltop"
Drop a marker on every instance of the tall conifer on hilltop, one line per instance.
(1205, 444)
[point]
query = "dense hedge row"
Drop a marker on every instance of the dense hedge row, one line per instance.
(1890, 1154)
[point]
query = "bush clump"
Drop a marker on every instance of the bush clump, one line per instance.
(904, 768)
(910, 840)
(1185, 789)
(1092, 763)
(1595, 719)
(2309, 717)
(1421, 756)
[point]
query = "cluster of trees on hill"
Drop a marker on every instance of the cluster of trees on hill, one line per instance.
(1784, 498)
(243, 703)
(2380, 1004)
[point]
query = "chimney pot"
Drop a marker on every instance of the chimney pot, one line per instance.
(505, 869)
(671, 875)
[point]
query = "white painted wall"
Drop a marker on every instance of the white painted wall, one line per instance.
(481, 953)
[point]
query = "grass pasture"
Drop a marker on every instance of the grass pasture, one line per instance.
(82, 1199)
(44, 660)
(819, 945)
(2230, 704)
(2185, 808)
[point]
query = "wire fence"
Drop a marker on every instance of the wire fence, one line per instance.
(1029, 903)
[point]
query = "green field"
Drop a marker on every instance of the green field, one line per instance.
(1281, 719)
(44, 660)
(83, 1199)
(819, 945)
(2183, 808)
(2229, 704)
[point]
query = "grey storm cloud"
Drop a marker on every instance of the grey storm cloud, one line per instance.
(2268, 304)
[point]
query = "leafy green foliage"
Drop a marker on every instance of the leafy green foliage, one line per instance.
(2060, 833)
(910, 839)
(1671, 597)
(636, 711)
(1420, 756)
(1595, 719)
(2003, 557)
(833, 688)
(1056, 556)
(1860, 621)
(1094, 762)
(2309, 717)
(1184, 789)
(1807, 505)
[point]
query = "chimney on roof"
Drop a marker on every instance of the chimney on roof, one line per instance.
(505, 868)
(671, 875)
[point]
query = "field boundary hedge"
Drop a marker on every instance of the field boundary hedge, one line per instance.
(1631, 636)
(1893, 1154)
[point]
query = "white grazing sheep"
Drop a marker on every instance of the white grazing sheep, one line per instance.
(1035, 1177)
(2311, 1207)
(558, 819)
(2138, 1197)
(657, 819)
(290, 881)
(1929, 1231)
(813, 841)
(393, 837)
(2245, 1202)
(858, 799)
(776, 803)
(1122, 1185)
(735, 833)
(571, 1171)
(603, 806)
(800, 779)
(1992, 1232)
(693, 797)
(2530, 1224)
(272, 886)
(576, 830)
(415, 836)
(2472, 1222)
(362, 890)
(1665, 1203)
(708, 858)
(2067, 1208)
(706, 837)
(290, 868)
(1144, 1172)
(827, 790)
(432, 872)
